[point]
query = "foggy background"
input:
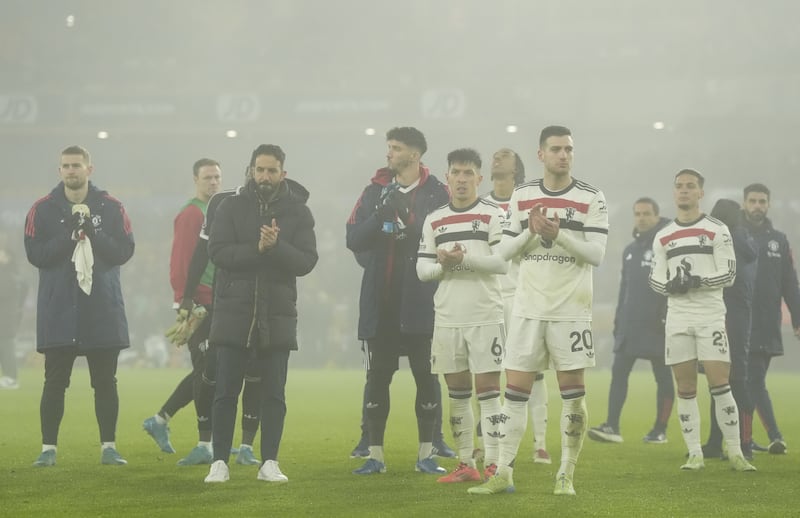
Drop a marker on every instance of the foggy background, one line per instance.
(646, 87)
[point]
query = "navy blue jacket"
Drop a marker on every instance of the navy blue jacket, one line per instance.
(66, 316)
(776, 280)
(739, 297)
(639, 320)
(379, 253)
(255, 294)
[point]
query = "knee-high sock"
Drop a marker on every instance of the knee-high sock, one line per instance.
(489, 403)
(727, 418)
(462, 420)
(538, 410)
(573, 426)
(689, 417)
(513, 420)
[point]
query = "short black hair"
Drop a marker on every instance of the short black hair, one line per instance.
(271, 150)
(700, 178)
(727, 211)
(756, 187)
(410, 136)
(77, 150)
(553, 131)
(651, 202)
(464, 156)
(203, 162)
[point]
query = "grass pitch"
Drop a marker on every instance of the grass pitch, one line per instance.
(629, 479)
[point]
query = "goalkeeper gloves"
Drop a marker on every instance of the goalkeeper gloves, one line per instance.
(186, 323)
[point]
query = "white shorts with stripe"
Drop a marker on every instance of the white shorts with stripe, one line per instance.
(477, 349)
(705, 342)
(536, 345)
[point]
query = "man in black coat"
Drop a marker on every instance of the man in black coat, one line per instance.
(78, 237)
(738, 317)
(639, 329)
(261, 240)
(396, 308)
(776, 280)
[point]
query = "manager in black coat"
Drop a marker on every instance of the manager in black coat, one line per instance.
(639, 329)
(776, 282)
(261, 240)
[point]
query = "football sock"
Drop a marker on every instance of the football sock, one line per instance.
(538, 410)
(162, 417)
(489, 403)
(462, 421)
(573, 426)
(376, 452)
(48, 447)
(514, 421)
(689, 418)
(204, 444)
(727, 418)
(105, 445)
(425, 450)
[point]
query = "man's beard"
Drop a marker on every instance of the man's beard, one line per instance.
(756, 217)
(402, 165)
(265, 189)
(75, 184)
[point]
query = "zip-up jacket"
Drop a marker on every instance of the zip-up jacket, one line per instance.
(776, 280)
(255, 294)
(639, 320)
(65, 315)
(390, 288)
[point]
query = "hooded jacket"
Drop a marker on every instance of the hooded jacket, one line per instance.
(776, 280)
(381, 253)
(65, 315)
(255, 294)
(639, 319)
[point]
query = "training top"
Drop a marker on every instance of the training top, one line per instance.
(468, 293)
(555, 278)
(703, 248)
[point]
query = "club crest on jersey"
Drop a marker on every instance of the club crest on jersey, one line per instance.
(773, 249)
(569, 213)
(703, 239)
(476, 224)
(647, 259)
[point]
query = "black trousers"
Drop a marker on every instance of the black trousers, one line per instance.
(383, 355)
(232, 364)
(198, 386)
(618, 392)
(58, 365)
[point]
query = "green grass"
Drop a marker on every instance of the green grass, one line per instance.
(631, 479)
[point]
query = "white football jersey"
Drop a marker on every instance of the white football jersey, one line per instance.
(466, 296)
(703, 248)
(554, 283)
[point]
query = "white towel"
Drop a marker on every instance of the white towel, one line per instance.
(84, 262)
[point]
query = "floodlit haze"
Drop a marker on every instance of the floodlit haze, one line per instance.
(151, 86)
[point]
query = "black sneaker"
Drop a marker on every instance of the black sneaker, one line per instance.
(777, 447)
(361, 450)
(655, 437)
(604, 433)
(441, 449)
